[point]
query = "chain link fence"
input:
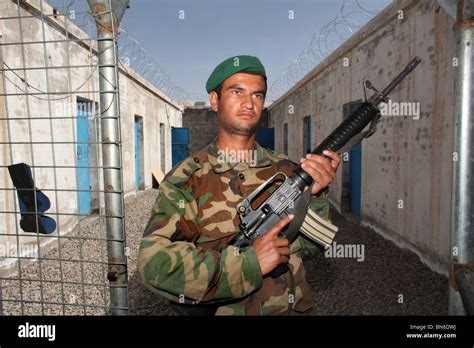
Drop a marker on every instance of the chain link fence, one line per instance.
(62, 239)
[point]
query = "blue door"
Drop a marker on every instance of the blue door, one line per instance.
(82, 161)
(179, 144)
(137, 172)
(266, 137)
(139, 156)
(355, 157)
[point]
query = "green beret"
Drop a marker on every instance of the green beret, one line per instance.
(232, 66)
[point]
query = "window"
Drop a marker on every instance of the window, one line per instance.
(285, 138)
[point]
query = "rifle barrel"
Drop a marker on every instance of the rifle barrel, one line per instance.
(408, 69)
(354, 124)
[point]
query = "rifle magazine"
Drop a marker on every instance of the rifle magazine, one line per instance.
(317, 229)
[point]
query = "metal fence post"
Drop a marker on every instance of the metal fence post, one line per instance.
(462, 229)
(107, 14)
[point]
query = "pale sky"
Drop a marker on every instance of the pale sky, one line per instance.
(188, 48)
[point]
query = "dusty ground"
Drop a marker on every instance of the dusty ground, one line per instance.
(344, 286)
(341, 286)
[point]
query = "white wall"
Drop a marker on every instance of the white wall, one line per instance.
(407, 159)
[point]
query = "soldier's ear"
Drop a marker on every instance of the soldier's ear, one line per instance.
(214, 100)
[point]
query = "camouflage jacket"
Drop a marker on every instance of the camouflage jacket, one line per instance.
(184, 253)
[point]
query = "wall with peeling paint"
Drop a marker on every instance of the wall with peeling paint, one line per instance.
(407, 159)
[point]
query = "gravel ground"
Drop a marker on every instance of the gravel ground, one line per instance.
(341, 286)
(70, 287)
(376, 286)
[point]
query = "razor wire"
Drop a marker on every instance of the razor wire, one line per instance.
(134, 55)
(322, 43)
(350, 17)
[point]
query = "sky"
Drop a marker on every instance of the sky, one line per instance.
(188, 38)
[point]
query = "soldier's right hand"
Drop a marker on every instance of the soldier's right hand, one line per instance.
(272, 250)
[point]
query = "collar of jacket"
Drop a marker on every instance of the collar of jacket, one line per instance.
(221, 164)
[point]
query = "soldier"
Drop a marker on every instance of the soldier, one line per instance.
(185, 254)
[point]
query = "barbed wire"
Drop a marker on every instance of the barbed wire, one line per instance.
(133, 54)
(323, 42)
(27, 84)
(350, 17)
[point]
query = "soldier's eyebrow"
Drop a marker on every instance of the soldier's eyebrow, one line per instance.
(237, 86)
(240, 88)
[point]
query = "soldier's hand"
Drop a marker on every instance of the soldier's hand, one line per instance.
(272, 250)
(321, 169)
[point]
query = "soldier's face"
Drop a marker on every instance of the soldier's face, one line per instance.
(240, 104)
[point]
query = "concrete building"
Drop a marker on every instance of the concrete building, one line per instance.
(406, 167)
(202, 123)
(48, 120)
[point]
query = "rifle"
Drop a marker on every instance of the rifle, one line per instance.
(290, 197)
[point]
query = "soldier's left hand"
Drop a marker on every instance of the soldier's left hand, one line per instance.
(321, 169)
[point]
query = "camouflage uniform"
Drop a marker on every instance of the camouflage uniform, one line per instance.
(184, 254)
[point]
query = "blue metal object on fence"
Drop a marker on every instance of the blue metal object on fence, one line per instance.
(32, 201)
